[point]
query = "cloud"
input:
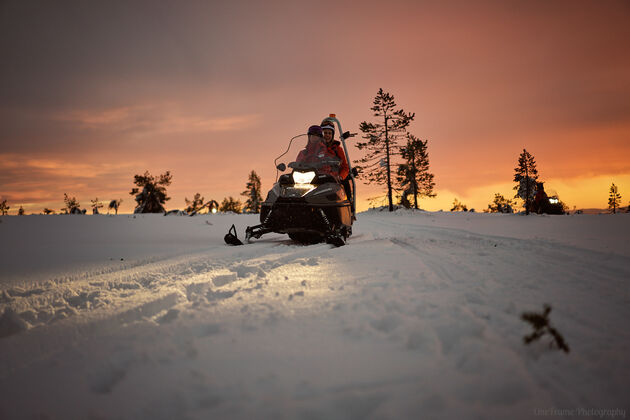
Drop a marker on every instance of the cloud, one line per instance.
(25, 179)
(153, 119)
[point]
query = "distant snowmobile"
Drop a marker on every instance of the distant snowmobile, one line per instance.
(310, 204)
(545, 204)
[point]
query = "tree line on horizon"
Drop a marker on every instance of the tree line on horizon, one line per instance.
(395, 159)
(530, 190)
(151, 196)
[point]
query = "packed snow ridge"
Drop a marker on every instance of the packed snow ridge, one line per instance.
(418, 316)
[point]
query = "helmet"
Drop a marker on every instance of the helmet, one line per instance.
(315, 130)
(328, 125)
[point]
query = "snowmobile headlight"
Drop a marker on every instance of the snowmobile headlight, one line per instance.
(553, 200)
(303, 177)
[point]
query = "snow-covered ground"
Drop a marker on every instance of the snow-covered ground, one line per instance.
(417, 317)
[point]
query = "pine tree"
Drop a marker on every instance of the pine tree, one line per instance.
(526, 175)
(192, 207)
(4, 208)
(252, 192)
(413, 175)
(96, 205)
(457, 206)
(381, 141)
(152, 197)
(230, 204)
(614, 199)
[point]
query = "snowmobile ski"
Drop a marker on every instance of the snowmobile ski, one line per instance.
(232, 238)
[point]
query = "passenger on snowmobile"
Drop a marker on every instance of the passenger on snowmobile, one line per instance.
(545, 204)
(540, 200)
(334, 147)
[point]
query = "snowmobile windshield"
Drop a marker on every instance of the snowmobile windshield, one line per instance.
(309, 153)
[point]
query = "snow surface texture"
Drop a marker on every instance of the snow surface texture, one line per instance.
(418, 316)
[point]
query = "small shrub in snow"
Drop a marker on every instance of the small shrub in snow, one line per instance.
(4, 208)
(540, 323)
(195, 205)
(72, 205)
(113, 205)
(500, 204)
(457, 206)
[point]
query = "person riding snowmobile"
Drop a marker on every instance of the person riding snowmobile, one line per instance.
(334, 147)
(316, 150)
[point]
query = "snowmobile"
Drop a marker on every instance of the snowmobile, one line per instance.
(309, 204)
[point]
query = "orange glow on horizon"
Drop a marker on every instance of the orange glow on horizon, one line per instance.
(214, 97)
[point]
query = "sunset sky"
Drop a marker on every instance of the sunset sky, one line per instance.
(92, 93)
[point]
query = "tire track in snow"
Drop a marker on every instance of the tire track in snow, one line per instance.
(153, 285)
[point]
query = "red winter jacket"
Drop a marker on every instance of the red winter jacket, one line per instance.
(336, 150)
(315, 153)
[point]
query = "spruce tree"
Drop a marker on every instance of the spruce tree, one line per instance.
(252, 192)
(151, 192)
(413, 175)
(230, 204)
(382, 138)
(96, 205)
(526, 175)
(614, 199)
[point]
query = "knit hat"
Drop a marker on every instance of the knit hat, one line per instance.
(315, 130)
